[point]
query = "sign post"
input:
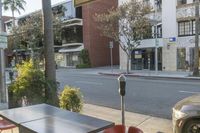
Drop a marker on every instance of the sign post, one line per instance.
(3, 44)
(111, 55)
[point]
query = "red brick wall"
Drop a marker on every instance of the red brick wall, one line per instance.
(98, 45)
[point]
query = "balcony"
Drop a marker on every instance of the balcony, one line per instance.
(185, 12)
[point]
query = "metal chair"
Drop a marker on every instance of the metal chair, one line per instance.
(6, 125)
(116, 129)
(134, 130)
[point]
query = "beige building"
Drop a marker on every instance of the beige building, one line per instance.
(176, 30)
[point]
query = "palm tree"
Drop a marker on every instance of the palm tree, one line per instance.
(14, 6)
(48, 40)
(50, 72)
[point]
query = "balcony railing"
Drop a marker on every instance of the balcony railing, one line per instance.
(185, 12)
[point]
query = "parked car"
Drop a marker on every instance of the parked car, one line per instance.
(186, 115)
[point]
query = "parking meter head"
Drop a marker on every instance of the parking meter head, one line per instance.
(122, 84)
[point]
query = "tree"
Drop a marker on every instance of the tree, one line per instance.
(126, 25)
(196, 50)
(14, 6)
(29, 34)
(50, 72)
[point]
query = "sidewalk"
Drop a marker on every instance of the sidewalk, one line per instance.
(147, 123)
(140, 73)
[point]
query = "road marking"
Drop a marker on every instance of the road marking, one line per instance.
(86, 82)
(190, 92)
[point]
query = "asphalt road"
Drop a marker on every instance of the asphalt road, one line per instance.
(154, 97)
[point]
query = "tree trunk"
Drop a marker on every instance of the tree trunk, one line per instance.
(128, 62)
(50, 72)
(196, 51)
(15, 46)
(127, 65)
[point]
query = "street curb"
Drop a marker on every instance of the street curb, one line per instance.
(150, 77)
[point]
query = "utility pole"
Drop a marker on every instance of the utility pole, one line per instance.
(2, 65)
(196, 50)
(156, 37)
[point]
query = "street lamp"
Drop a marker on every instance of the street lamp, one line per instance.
(122, 92)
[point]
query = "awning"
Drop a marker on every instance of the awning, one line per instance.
(76, 48)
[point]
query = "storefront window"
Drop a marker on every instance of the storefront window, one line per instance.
(181, 59)
(145, 59)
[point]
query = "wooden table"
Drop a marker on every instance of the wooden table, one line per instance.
(44, 118)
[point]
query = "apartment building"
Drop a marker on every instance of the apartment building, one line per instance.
(79, 31)
(175, 21)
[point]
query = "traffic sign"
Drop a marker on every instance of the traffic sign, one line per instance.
(111, 44)
(172, 39)
(3, 41)
(78, 3)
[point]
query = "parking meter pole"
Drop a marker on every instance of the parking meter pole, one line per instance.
(123, 110)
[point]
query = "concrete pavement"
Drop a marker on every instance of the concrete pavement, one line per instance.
(147, 123)
(138, 73)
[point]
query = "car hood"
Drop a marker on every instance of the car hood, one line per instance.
(189, 104)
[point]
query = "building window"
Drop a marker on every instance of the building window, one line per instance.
(159, 31)
(186, 28)
(159, 4)
(193, 26)
(181, 59)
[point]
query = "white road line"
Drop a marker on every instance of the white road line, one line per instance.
(86, 82)
(190, 92)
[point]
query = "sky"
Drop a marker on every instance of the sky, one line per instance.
(31, 6)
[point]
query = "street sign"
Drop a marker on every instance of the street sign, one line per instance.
(172, 39)
(111, 44)
(3, 41)
(78, 3)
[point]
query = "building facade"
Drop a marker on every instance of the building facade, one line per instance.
(80, 31)
(175, 21)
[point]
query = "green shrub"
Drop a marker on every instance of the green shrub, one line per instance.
(71, 99)
(30, 86)
(85, 60)
(83, 66)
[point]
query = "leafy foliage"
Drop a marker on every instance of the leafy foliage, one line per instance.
(126, 24)
(71, 99)
(14, 5)
(85, 60)
(79, 66)
(30, 86)
(29, 33)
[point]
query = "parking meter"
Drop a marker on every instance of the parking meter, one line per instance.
(122, 85)
(122, 92)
